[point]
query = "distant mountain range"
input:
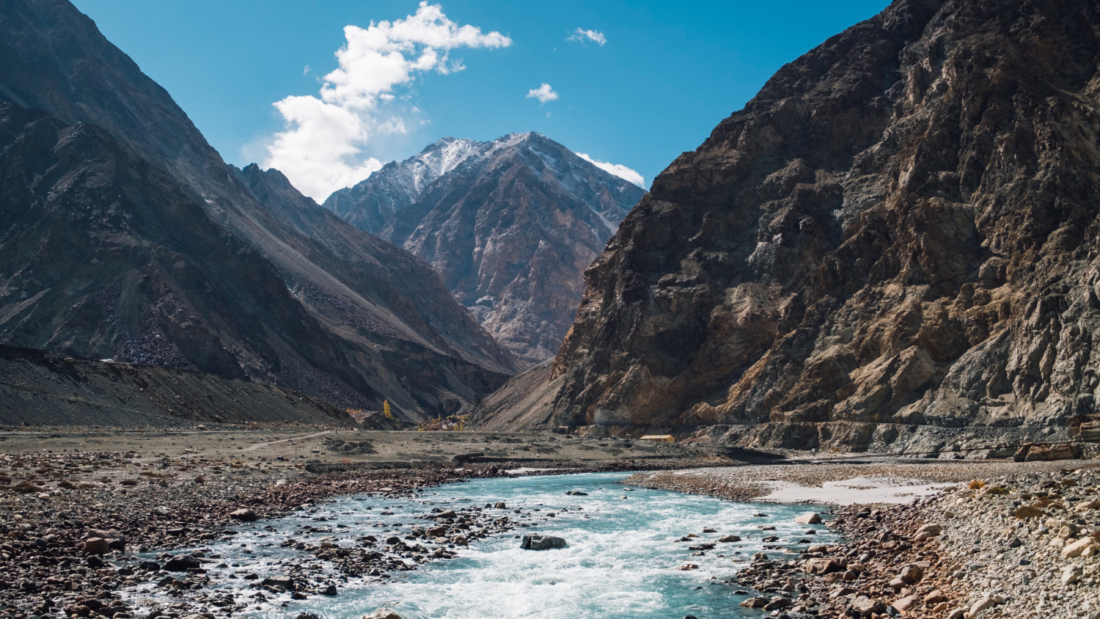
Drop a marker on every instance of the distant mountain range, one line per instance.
(510, 225)
(124, 235)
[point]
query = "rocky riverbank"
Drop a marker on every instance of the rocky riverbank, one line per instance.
(1019, 540)
(1012, 541)
(68, 545)
(73, 512)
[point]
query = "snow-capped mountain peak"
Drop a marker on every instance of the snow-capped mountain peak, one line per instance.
(508, 224)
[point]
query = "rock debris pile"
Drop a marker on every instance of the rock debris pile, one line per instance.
(1015, 546)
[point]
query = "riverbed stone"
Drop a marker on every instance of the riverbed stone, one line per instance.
(541, 542)
(97, 546)
(982, 604)
(866, 606)
(1077, 548)
(823, 566)
(181, 563)
(244, 515)
(810, 518)
(904, 604)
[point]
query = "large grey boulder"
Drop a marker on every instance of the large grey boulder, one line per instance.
(541, 542)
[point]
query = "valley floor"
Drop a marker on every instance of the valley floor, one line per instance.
(160, 490)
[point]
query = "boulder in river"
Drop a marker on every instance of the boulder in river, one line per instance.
(284, 582)
(541, 542)
(181, 563)
(810, 518)
(244, 515)
(382, 613)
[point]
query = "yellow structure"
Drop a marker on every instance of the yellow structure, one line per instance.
(660, 438)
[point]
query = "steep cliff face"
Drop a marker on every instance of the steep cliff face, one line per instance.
(425, 355)
(509, 225)
(898, 233)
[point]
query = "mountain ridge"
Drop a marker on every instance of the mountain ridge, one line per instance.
(509, 224)
(423, 355)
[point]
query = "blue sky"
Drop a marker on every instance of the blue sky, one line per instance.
(666, 74)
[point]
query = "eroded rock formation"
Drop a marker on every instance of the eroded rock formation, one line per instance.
(897, 236)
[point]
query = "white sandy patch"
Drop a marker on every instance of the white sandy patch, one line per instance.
(858, 490)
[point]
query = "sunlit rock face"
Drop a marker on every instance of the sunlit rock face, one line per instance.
(898, 233)
(509, 225)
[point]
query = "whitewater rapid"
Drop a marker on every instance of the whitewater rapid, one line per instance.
(621, 560)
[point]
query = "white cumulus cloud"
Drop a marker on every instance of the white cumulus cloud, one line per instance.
(580, 34)
(616, 169)
(543, 93)
(321, 148)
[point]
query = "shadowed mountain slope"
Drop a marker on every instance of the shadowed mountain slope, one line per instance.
(392, 334)
(41, 388)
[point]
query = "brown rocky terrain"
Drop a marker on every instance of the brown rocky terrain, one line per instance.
(127, 237)
(509, 225)
(894, 242)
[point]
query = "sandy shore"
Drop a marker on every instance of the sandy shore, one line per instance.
(839, 483)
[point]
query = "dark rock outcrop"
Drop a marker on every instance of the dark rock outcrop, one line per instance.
(541, 542)
(509, 225)
(184, 265)
(897, 236)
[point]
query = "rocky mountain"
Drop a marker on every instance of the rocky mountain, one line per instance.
(371, 204)
(509, 225)
(163, 254)
(894, 245)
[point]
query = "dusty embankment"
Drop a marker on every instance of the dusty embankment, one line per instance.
(1011, 540)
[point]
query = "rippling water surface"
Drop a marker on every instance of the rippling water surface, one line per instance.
(621, 560)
